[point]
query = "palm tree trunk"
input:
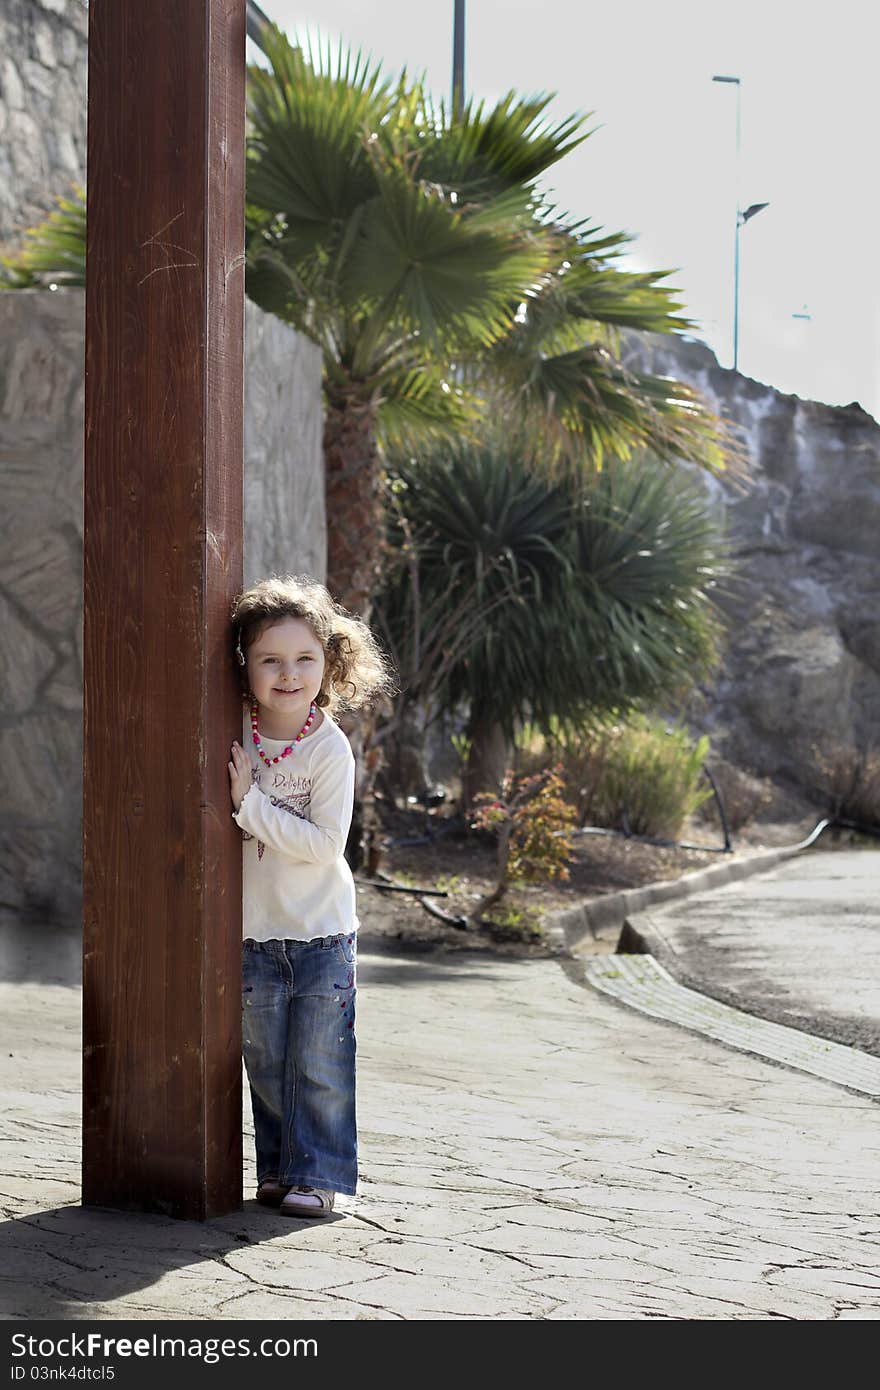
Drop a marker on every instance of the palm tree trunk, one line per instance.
(355, 533)
(355, 546)
(487, 757)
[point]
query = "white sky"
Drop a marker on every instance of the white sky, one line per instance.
(661, 164)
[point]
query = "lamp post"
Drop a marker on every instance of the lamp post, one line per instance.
(256, 21)
(458, 59)
(741, 219)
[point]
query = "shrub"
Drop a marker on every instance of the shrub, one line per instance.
(491, 567)
(848, 779)
(651, 780)
(644, 775)
(580, 763)
(532, 817)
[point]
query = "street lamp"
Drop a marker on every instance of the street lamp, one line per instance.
(741, 219)
(257, 21)
(458, 59)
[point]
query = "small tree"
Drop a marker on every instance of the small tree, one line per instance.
(531, 819)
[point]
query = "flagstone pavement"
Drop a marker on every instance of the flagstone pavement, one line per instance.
(529, 1148)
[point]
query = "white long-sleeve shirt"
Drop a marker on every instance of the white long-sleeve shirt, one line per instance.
(295, 817)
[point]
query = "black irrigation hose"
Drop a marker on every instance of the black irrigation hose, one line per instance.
(715, 849)
(650, 839)
(428, 838)
(406, 841)
(727, 847)
(382, 882)
(728, 843)
(388, 887)
(873, 830)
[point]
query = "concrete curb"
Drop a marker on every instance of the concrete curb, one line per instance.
(601, 918)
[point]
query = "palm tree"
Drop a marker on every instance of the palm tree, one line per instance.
(417, 252)
(356, 240)
(597, 593)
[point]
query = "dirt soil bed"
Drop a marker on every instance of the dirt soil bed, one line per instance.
(462, 863)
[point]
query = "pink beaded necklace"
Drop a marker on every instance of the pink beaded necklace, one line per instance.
(313, 710)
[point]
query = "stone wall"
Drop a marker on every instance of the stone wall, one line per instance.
(43, 53)
(41, 563)
(284, 519)
(802, 664)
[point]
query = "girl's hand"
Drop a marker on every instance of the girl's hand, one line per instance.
(239, 775)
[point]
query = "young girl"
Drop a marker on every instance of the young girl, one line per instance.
(302, 658)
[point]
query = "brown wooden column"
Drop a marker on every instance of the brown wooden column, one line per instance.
(163, 558)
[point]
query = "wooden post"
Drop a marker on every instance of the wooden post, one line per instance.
(163, 558)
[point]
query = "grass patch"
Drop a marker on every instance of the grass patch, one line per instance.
(509, 923)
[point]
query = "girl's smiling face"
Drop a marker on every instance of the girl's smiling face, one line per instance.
(285, 667)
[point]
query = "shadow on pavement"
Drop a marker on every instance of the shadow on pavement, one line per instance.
(45, 955)
(53, 956)
(68, 1262)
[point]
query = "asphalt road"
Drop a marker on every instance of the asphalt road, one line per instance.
(798, 945)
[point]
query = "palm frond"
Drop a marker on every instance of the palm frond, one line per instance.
(483, 151)
(309, 128)
(573, 299)
(588, 408)
(438, 271)
(419, 406)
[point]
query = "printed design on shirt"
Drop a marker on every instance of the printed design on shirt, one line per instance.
(296, 802)
(260, 846)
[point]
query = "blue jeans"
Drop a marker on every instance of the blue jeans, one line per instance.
(298, 1002)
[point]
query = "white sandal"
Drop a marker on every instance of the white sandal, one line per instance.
(293, 1204)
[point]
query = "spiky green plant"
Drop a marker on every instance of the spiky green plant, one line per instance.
(651, 776)
(601, 591)
(54, 253)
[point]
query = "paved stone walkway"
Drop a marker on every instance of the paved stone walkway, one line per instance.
(641, 982)
(529, 1148)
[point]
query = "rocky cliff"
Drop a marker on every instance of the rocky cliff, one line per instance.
(802, 665)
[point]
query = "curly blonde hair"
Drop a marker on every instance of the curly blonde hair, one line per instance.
(356, 670)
